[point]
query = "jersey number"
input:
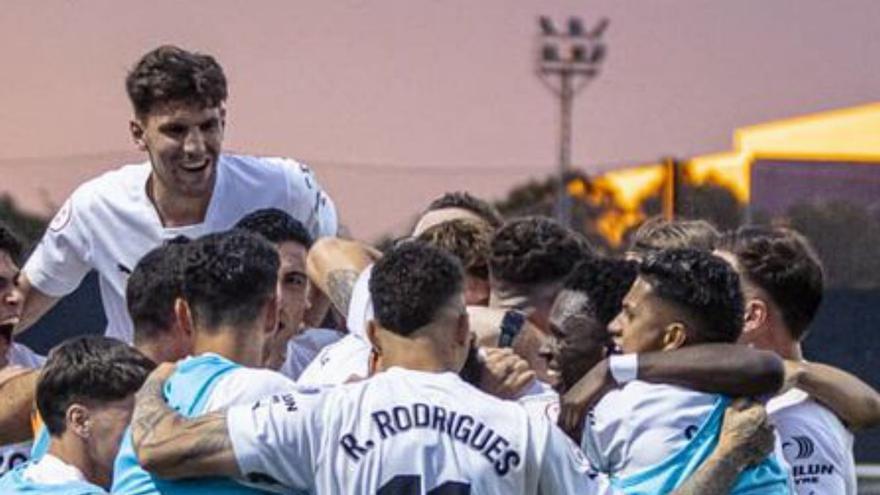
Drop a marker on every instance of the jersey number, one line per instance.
(412, 485)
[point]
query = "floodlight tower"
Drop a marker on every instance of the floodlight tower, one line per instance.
(566, 62)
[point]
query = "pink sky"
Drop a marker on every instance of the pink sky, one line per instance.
(394, 102)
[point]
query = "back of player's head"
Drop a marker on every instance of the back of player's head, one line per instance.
(411, 283)
(171, 74)
(702, 284)
(155, 283)
(90, 371)
(658, 233)
(275, 226)
(10, 242)
(605, 282)
(228, 277)
(784, 264)
(534, 250)
(466, 240)
(466, 201)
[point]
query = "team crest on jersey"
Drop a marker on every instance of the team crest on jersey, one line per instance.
(62, 218)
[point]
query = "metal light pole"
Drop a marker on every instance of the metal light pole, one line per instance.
(566, 62)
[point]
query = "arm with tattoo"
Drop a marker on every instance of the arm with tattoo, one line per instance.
(746, 439)
(172, 446)
(333, 266)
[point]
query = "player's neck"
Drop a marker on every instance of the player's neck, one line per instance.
(175, 210)
(237, 345)
(71, 450)
(778, 340)
(418, 354)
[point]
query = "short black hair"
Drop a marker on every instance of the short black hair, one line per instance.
(153, 286)
(658, 233)
(701, 283)
(411, 283)
(10, 242)
(467, 240)
(783, 263)
(91, 369)
(171, 74)
(228, 277)
(275, 226)
(534, 250)
(605, 282)
(471, 203)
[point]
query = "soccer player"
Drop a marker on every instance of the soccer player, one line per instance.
(187, 187)
(782, 279)
(85, 396)
(413, 428)
(292, 241)
(230, 307)
(468, 241)
(15, 358)
(649, 437)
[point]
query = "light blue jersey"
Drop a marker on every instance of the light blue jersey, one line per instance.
(767, 478)
(187, 392)
(15, 483)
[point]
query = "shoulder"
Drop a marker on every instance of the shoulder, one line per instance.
(245, 385)
(114, 184)
(264, 168)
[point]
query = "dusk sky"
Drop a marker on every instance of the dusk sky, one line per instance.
(394, 102)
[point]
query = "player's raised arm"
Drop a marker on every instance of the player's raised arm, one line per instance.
(855, 402)
(172, 446)
(36, 303)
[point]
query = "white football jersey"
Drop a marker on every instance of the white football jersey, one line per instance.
(642, 424)
(815, 444)
(405, 432)
(21, 355)
(541, 400)
(304, 348)
(360, 307)
(245, 386)
(343, 361)
(109, 223)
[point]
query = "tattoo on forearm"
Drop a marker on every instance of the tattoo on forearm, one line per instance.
(340, 285)
(711, 478)
(150, 410)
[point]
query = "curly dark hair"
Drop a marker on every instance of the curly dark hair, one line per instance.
(471, 203)
(10, 242)
(466, 240)
(153, 286)
(228, 277)
(169, 73)
(411, 283)
(703, 284)
(275, 226)
(534, 250)
(783, 263)
(87, 370)
(605, 281)
(658, 233)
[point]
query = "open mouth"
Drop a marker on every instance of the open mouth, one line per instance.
(196, 167)
(6, 328)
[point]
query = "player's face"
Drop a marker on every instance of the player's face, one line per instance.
(582, 340)
(10, 302)
(107, 424)
(184, 142)
(292, 287)
(642, 323)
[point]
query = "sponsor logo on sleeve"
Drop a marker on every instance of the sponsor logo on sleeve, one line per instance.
(62, 218)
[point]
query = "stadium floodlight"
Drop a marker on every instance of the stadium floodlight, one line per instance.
(566, 62)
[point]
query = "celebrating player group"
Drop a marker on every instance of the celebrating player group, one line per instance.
(250, 349)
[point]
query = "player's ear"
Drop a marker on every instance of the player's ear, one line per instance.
(77, 420)
(183, 316)
(674, 336)
(756, 315)
(463, 330)
(271, 308)
(136, 128)
(372, 331)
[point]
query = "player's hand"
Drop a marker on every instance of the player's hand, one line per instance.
(574, 404)
(504, 374)
(747, 435)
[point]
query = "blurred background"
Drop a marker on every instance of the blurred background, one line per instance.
(602, 112)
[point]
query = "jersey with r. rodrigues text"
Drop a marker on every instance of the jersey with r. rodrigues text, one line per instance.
(405, 432)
